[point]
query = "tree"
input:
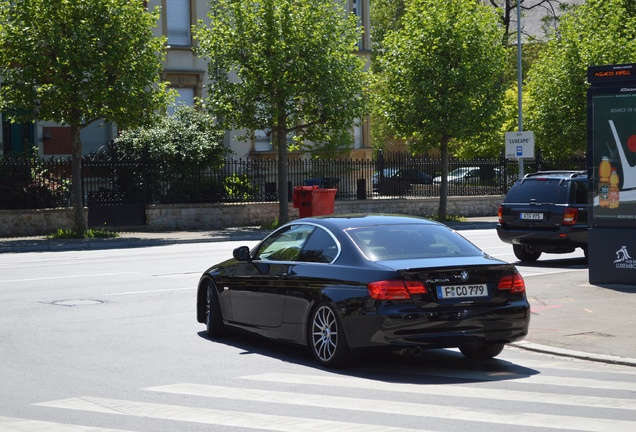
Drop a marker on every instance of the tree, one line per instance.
(177, 147)
(286, 67)
(74, 62)
(190, 135)
(595, 33)
(508, 13)
(443, 74)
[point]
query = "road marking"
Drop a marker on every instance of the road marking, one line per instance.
(447, 390)
(215, 417)
(92, 275)
(9, 424)
(149, 291)
(497, 416)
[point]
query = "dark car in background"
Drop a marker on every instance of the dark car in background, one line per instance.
(546, 211)
(351, 284)
(471, 175)
(406, 176)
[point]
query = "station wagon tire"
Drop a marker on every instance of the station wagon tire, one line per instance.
(326, 339)
(481, 352)
(213, 315)
(525, 254)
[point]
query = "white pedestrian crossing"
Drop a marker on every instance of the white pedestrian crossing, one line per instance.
(10, 424)
(402, 408)
(214, 417)
(565, 396)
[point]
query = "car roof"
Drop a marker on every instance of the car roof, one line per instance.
(560, 174)
(363, 220)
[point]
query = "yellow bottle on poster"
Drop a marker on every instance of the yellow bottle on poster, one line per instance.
(604, 172)
(613, 190)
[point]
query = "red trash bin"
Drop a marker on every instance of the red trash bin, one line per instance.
(314, 201)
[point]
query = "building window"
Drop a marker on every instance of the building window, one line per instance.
(262, 142)
(185, 96)
(356, 9)
(178, 22)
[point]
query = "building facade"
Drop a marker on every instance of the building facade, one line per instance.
(185, 72)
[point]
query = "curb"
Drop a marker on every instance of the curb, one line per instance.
(599, 358)
(116, 243)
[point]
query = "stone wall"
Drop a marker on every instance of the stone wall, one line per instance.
(211, 216)
(16, 223)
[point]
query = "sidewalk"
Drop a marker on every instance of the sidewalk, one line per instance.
(593, 325)
(147, 238)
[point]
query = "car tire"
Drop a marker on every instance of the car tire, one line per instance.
(326, 339)
(481, 352)
(213, 314)
(525, 254)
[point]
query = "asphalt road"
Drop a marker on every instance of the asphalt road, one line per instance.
(97, 340)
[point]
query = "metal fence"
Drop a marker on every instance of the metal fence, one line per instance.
(33, 183)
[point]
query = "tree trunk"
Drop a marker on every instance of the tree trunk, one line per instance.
(283, 198)
(443, 188)
(80, 223)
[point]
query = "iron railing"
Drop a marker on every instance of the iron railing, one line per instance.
(33, 183)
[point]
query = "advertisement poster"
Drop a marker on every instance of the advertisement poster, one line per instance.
(613, 156)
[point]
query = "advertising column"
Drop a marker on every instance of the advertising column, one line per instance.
(612, 169)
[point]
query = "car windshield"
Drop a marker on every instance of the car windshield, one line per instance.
(460, 171)
(392, 242)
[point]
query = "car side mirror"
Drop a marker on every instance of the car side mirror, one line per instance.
(242, 253)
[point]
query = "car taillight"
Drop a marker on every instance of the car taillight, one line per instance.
(570, 216)
(500, 214)
(514, 283)
(395, 289)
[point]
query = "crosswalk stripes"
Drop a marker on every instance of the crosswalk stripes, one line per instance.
(215, 417)
(401, 408)
(10, 424)
(549, 400)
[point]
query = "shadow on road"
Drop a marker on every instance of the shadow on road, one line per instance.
(436, 366)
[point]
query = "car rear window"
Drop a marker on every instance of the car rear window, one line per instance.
(541, 190)
(391, 242)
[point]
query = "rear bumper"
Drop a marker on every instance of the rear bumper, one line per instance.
(570, 237)
(397, 328)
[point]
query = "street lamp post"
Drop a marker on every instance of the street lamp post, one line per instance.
(519, 80)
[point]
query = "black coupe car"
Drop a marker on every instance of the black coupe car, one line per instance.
(346, 285)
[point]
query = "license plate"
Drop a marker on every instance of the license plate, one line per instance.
(532, 216)
(462, 291)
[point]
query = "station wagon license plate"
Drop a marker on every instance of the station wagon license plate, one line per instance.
(531, 216)
(462, 291)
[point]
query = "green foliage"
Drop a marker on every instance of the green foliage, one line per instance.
(76, 61)
(597, 32)
(293, 67)
(442, 72)
(64, 234)
(385, 15)
(237, 187)
(270, 225)
(190, 136)
(27, 182)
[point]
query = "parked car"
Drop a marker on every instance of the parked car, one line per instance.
(546, 212)
(346, 285)
(405, 175)
(470, 175)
